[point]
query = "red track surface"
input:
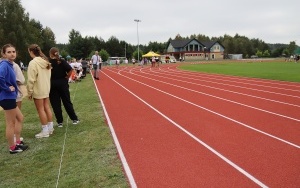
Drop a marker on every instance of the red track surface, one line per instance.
(184, 129)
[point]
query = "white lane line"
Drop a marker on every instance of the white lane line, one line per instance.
(227, 100)
(218, 114)
(117, 143)
(248, 175)
(240, 78)
(253, 89)
(193, 83)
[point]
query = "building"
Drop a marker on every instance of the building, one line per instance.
(236, 56)
(192, 49)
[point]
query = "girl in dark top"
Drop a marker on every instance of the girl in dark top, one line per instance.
(59, 92)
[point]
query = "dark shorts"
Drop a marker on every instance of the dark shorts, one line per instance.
(95, 66)
(8, 104)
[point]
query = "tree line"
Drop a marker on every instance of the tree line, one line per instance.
(17, 28)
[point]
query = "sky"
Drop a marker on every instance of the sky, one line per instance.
(268, 20)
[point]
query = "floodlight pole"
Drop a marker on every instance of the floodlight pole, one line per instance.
(137, 29)
(125, 50)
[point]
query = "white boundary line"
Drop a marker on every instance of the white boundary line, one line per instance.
(117, 143)
(163, 75)
(241, 78)
(231, 101)
(64, 143)
(218, 114)
(229, 84)
(195, 138)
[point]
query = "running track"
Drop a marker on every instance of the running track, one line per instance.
(175, 128)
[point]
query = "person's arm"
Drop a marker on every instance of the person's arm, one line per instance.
(31, 79)
(68, 68)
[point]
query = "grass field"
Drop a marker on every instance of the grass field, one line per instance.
(82, 155)
(285, 71)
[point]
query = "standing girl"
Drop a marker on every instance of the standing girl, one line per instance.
(8, 96)
(20, 82)
(59, 91)
(38, 88)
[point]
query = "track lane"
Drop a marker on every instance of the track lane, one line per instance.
(263, 104)
(193, 120)
(280, 95)
(237, 112)
(159, 154)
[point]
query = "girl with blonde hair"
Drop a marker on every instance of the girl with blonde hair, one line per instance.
(38, 87)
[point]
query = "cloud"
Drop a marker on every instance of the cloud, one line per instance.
(160, 20)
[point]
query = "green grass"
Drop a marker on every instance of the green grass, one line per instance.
(89, 160)
(285, 71)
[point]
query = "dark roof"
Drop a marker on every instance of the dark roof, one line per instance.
(210, 44)
(180, 43)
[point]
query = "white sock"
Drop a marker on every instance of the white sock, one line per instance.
(45, 128)
(50, 125)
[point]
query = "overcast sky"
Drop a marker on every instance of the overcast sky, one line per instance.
(272, 21)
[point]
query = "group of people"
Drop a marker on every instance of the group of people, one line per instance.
(77, 73)
(154, 61)
(47, 83)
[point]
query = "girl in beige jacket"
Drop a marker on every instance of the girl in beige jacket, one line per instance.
(38, 87)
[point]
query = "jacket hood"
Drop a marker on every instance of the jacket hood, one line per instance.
(41, 62)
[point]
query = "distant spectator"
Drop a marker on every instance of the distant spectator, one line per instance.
(84, 64)
(95, 60)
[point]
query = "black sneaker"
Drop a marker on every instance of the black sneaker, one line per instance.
(22, 146)
(60, 125)
(75, 122)
(17, 149)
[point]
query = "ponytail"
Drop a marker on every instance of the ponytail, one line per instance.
(36, 50)
(54, 52)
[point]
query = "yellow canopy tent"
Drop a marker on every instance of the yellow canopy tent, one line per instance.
(151, 54)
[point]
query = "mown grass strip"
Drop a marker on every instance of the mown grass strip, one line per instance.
(284, 71)
(90, 158)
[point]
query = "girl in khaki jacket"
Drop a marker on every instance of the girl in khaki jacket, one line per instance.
(38, 87)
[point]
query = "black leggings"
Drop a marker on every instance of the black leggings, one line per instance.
(60, 93)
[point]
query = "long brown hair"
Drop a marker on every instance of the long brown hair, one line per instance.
(54, 52)
(36, 50)
(3, 50)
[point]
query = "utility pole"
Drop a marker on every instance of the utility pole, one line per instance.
(137, 29)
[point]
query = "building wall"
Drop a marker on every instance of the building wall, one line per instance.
(217, 48)
(195, 51)
(170, 48)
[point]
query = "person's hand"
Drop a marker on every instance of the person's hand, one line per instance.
(30, 97)
(12, 88)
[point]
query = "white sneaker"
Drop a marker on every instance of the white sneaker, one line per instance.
(42, 134)
(75, 122)
(51, 130)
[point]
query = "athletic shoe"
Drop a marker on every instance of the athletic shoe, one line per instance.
(17, 149)
(22, 146)
(51, 130)
(75, 122)
(60, 125)
(42, 134)
(22, 143)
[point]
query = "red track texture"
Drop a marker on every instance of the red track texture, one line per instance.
(176, 128)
